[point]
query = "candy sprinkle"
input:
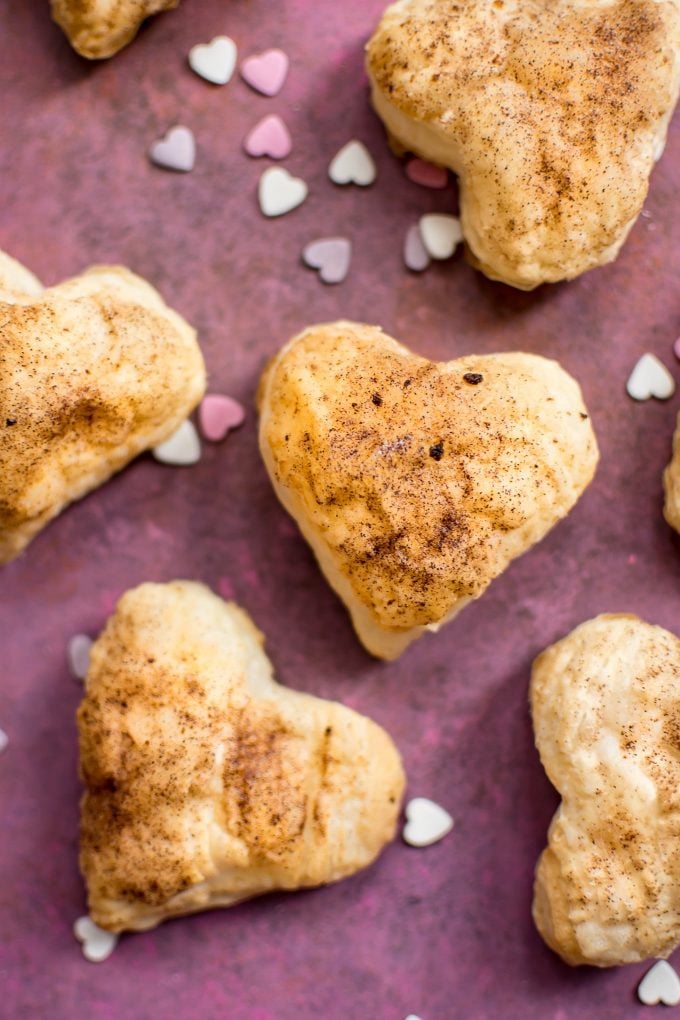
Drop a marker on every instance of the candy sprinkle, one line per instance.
(660, 984)
(270, 137)
(266, 72)
(98, 944)
(218, 415)
(426, 822)
(441, 234)
(78, 654)
(415, 253)
(353, 164)
(175, 151)
(650, 378)
(279, 192)
(182, 449)
(428, 175)
(331, 256)
(214, 61)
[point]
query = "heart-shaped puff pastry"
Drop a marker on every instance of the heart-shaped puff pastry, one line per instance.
(92, 372)
(551, 111)
(671, 484)
(207, 782)
(606, 709)
(416, 483)
(99, 28)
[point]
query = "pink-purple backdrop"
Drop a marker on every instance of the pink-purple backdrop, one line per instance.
(446, 932)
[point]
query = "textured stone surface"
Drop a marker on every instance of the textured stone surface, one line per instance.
(444, 932)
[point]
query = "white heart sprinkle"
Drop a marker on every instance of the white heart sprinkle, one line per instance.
(78, 653)
(4, 741)
(441, 234)
(98, 944)
(176, 151)
(650, 378)
(279, 192)
(412, 1016)
(214, 61)
(660, 984)
(353, 164)
(181, 449)
(426, 822)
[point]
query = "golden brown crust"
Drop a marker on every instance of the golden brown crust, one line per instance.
(551, 111)
(671, 484)
(207, 782)
(606, 709)
(100, 28)
(92, 372)
(415, 485)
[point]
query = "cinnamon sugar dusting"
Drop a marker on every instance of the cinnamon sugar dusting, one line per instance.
(205, 781)
(422, 504)
(551, 111)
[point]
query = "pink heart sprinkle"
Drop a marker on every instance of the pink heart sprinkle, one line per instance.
(676, 348)
(217, 415)
(427, 174)
(415, 252)
(266, 71)
(270, 137)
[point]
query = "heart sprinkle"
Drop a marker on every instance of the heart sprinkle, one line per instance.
(429, 175)
(415, 253)
(218, 415)
(181, 449)
(270, 137)
(650, 378)
(353, 164)
(676, 348)
(660, 984)
(175, 151)
(331, 256)
(441, 234)
(4, 740)
(78, 654)
(279, 192)
(214, 61)
(266, 72)
(426, 822)
(98, 944)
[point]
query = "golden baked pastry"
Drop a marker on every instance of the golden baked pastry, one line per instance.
(671, 484)
(606, 709)
(92, 372)
(416, 483)
(552, 112)
(207, 782)
(18, 285)
(99, 28)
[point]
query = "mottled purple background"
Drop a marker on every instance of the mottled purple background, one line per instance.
(445, 932)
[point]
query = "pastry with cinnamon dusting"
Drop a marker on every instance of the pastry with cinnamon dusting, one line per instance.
(671, 484)
(100, 28)
(415, 482)
(552, 113)
(92, 372)
(606, 710)
(208, 783)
